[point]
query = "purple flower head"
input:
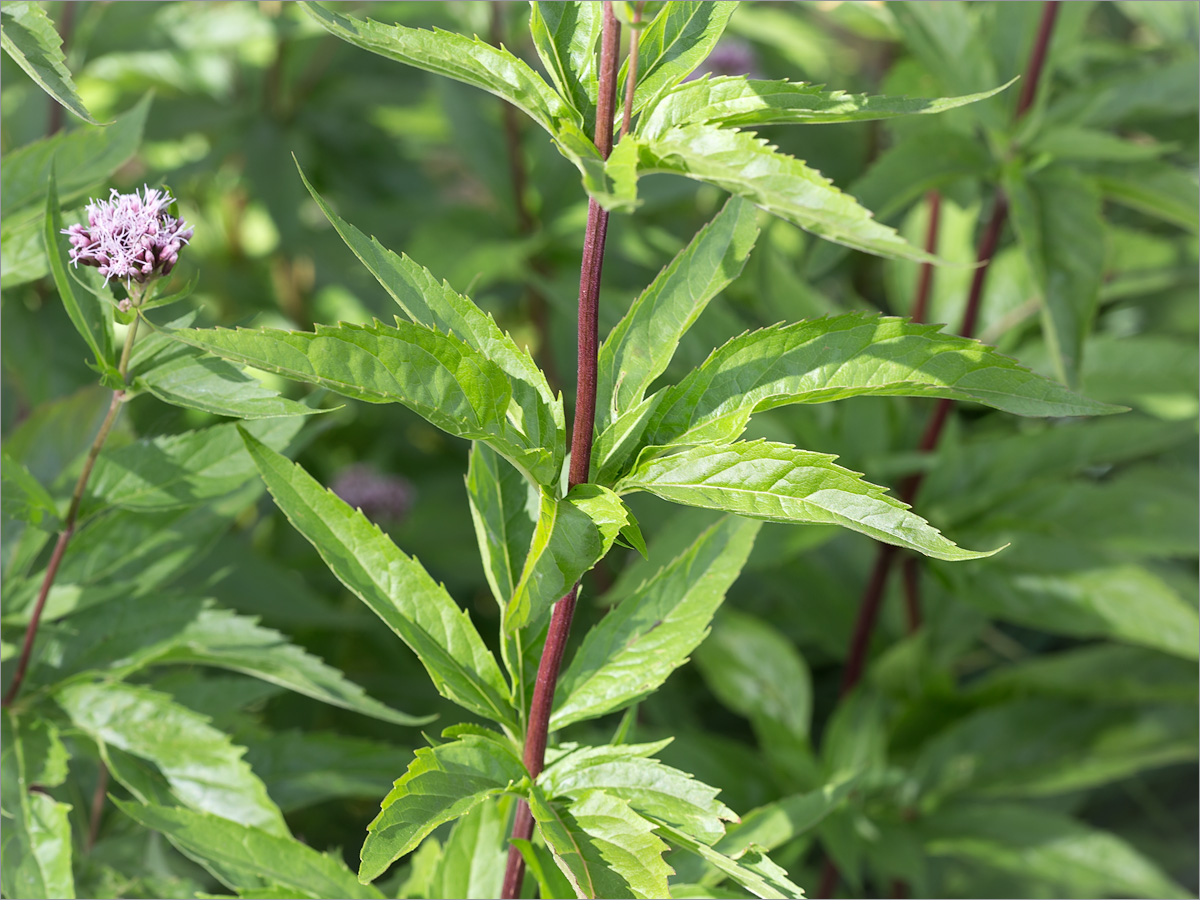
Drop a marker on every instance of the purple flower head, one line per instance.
(382, 498)
(129, 236)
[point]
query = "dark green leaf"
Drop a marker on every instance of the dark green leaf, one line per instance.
(23, 496)
(91, 317)
(636, 646)
(504, 507)
(243, 856)
(751, 869)
(29, 38)
(395, 586)
(1041, 747)
(304, 768)
(1057, 216)
(764, 480)
(442, 783)
(1070, 858)
(37, 832)
(1162, 191)
(203, 768)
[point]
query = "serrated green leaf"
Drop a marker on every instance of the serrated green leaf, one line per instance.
(1041, 747)
(1104, 673)
(30, 39)
(572, 534)
(641, 345)
(752, 869)
(536, 410)
(187, 376)
(504, 508)
(181, 469)
(603, 847)
(1057, 216)
(1126, 603)
(246, 857)
(23, 496)
(441, 784)
(203, 768)
(37, 833)
(779, 483)
(541, 867)
(846, 356)
(739, 102)
(226, 640)
(91, 317)
(473, 857)
(304, 768)
(744, 164)
(1162, 191)
(395, 586)
(678, 39)
(1034, 842)
(83, 157)
(633, 649)
(565, 36)
(650, 787)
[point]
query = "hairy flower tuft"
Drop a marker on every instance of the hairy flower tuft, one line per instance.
(129, 236)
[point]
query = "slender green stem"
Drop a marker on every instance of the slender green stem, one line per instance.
(64, 536)
(537, 731)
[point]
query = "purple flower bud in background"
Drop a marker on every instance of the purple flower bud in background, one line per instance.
(129, 236)
(382, 498)
(730, 57)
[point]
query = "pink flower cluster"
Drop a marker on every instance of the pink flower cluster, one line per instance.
(129, 236)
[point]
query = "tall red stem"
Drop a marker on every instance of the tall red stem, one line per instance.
(592, 265)
(868, 611)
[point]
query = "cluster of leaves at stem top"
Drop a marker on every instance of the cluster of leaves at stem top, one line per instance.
(606, 814)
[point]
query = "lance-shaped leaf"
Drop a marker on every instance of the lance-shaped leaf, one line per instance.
(472, 860)
(37, 832)
(441, 784)
(744, 164)
(204, 769)
(603, 847)
(1058, 220)
(187, 376)
(395, 586)
(90, 315)
(565, 36)
(752, 869)
(739, 102)
(633, 649)
(849, 356)
(246, 858)
(674, 43)
(181, 469)
(29, 37)
(1062, 856)
(647, 785)
(504, 507)
(572, 534)
(779, 483)
(23, 497)
(641, 345)
(536, 410)
(480, 65)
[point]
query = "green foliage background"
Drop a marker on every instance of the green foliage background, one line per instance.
(1053, 688)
